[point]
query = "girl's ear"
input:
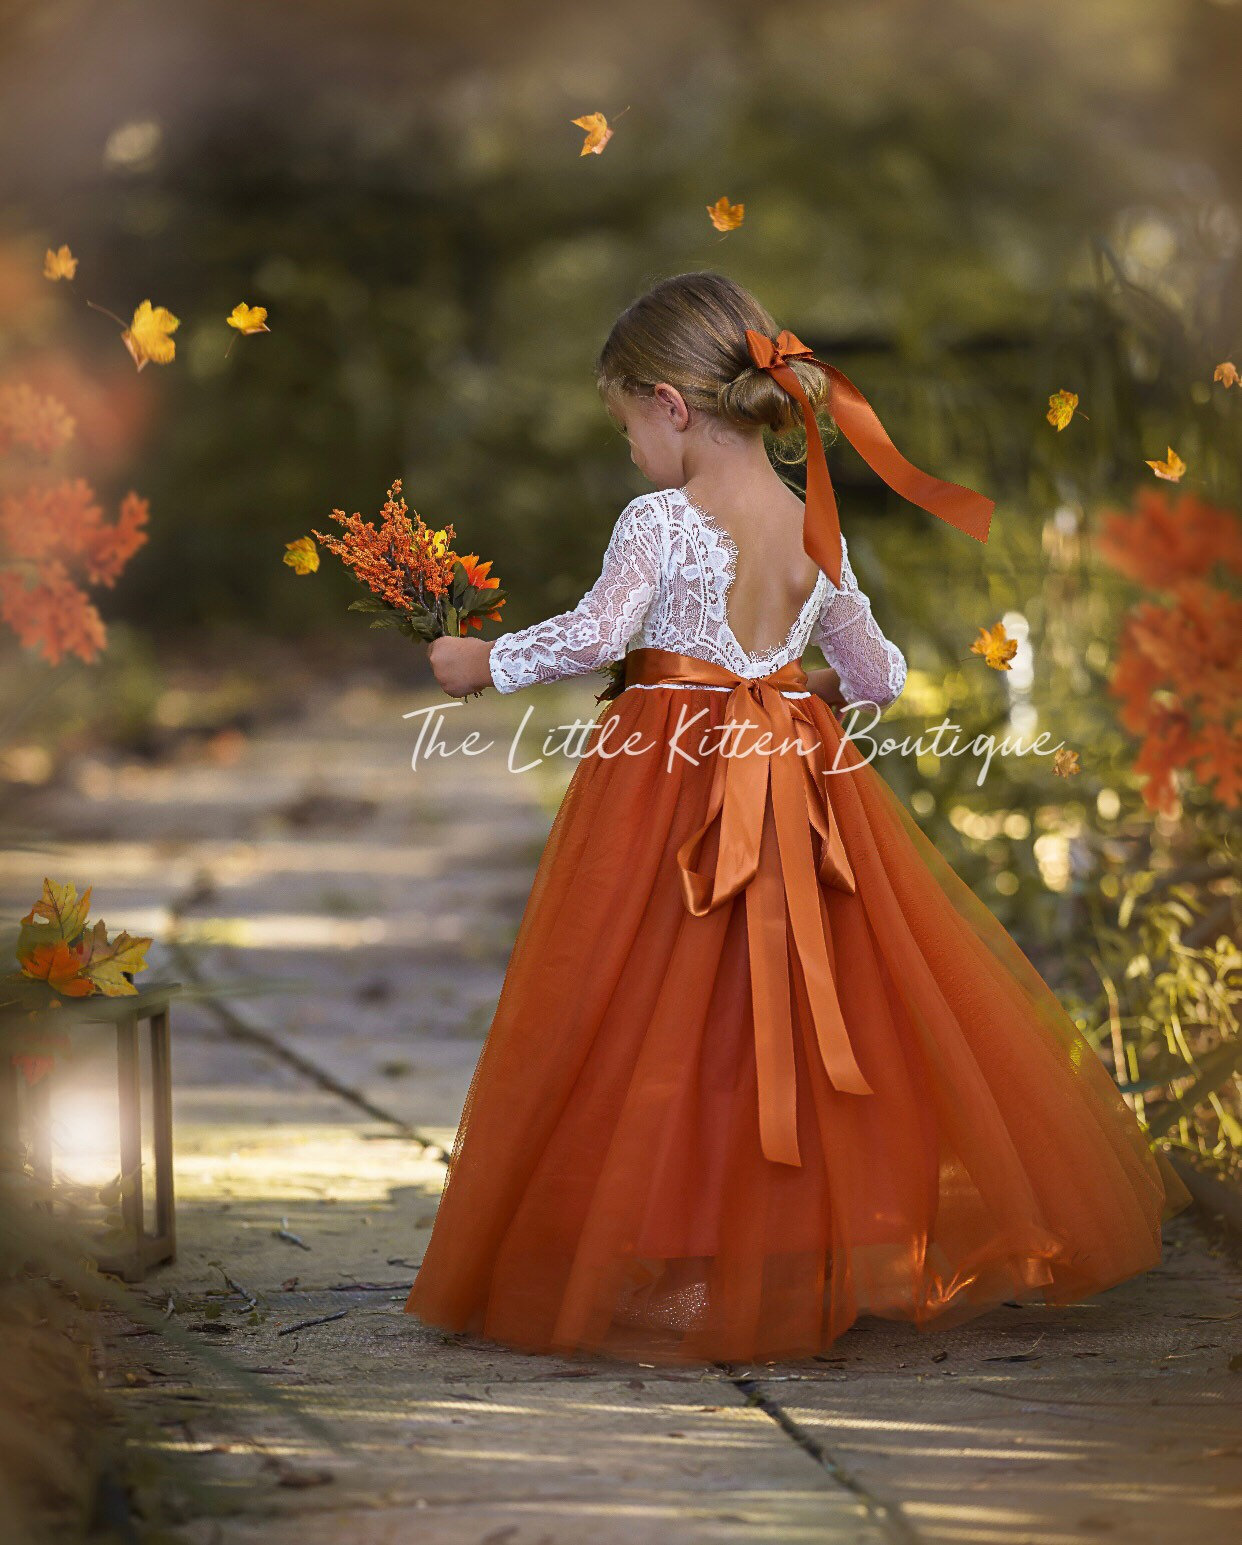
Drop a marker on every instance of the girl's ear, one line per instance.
(671, 404)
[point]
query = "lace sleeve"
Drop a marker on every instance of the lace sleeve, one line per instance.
(608, 616)
(871, 667)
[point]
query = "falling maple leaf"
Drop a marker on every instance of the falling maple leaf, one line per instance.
(249, 319)
(1065, 763)
(598, 133)
(1061, 407)
(148, 336)
(726, 216)
(1226, 373)
(1172, 468)
(59, 265)
(996, 647)
(302, 556)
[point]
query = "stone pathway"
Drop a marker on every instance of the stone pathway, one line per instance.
(382, 902)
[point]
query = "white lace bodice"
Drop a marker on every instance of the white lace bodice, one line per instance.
(664, 585)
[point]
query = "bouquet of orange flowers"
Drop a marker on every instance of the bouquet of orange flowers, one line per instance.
(417, 583)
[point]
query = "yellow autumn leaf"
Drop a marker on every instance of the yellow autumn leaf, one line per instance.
(109, 963)
(59, 265)
(1061, 407)
(439, 543)
(726, 216)
(1065, 763)
(61, 909)
(147, 336)
(1171, 469)
(996, 647)
(302, 556)
(1226, 372)
(249, 319)
(598, 133)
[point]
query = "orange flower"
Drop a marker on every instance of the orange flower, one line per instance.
(479, 575)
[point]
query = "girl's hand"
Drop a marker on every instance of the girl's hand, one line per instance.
(460, 664)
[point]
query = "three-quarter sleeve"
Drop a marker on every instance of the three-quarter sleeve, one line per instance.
(871, 667)
(602, 624)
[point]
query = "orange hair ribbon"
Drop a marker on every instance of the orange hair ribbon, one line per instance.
(962, 507)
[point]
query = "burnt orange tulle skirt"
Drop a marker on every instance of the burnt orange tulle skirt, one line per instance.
(763, 1063)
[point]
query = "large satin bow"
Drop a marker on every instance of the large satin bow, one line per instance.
(962, 507)
(766, 803)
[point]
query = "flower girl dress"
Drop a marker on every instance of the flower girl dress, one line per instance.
(762, 1062)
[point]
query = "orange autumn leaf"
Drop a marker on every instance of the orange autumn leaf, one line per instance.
(54, 537)
(51, 615)
(1065, 763)
(598, 133)
(32, 1065)
(1061, 407)
(148, 337)
(60, 967)
(1186, 651)
(996, 647)
(32, 421)
(302, 556)
(1164, 539)
(1171, 468)
(725, 216)
(59, 265)
(1226, 372)
(1162, 755)
(249, 319)
(1217, 762)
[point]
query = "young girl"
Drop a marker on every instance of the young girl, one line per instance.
(762, 1061)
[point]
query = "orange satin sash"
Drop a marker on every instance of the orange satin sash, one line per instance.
(766, 803)
(962, 507)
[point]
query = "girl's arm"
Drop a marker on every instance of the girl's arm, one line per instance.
(572, 643)
(869, 667)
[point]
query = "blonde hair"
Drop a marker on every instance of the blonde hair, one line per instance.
(690, 330)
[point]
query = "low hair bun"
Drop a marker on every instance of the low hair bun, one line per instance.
(690, 330)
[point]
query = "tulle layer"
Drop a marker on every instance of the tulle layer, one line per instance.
(607, 1191)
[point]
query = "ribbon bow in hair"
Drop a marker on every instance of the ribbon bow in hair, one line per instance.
(821, 527)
